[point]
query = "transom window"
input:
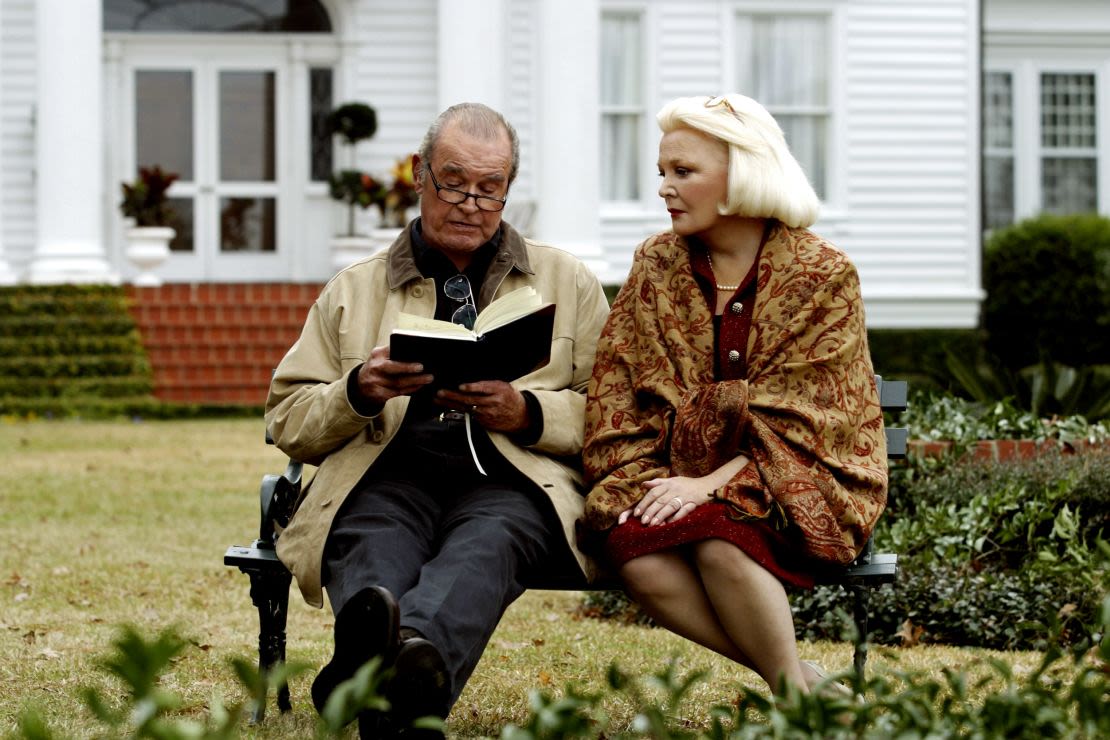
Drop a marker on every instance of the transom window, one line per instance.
(216, 16)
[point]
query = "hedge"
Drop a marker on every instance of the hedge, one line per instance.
(70, 350)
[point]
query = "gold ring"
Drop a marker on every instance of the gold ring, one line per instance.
(677, 501)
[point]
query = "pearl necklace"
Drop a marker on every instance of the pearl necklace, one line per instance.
(729, 288)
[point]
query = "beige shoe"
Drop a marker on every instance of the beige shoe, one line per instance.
(831, 689)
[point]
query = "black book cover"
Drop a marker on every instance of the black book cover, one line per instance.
(504, 352)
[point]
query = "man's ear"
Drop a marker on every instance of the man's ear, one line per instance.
(418, 174)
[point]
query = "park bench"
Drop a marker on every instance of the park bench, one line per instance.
(270, 580)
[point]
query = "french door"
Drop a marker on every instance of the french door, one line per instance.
(219, 119)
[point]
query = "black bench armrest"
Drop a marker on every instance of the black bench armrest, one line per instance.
(278, 496)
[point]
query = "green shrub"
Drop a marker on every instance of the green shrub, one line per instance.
(1047, 281)
(71, 350)
(989, 553)
(919, 356)
(952, 419)
(992, 608)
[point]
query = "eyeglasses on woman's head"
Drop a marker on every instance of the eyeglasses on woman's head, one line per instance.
(721, 101)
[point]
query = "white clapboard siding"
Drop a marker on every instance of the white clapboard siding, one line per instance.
(521, 102)
(909, 166)
(394, 70)
(17, 154)
(621, 234)
(1075, 18)
(690, 43)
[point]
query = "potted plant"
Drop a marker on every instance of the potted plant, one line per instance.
(146, 205)
(355, 188)
(353, 122)
(399, 196)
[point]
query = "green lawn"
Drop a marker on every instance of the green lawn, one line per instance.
(108, 523)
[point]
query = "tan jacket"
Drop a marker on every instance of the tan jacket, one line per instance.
(310, 418)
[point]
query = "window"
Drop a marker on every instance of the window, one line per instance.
(1069, 158)
(622, 111)
(998, 149)
(320, 105)
(783, 61)
(1040, 142)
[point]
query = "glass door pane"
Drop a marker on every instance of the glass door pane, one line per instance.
(248, 224)
(247, 126)
(164, 138)
(247, 164)
(164, 120)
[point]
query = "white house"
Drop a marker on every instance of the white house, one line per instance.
(880, 100)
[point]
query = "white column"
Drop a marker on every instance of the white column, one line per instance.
(69, 146)
(7, 275)
(568, 192)
(473, 53)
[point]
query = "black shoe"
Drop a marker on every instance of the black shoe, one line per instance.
(366, 626)
(420, 687)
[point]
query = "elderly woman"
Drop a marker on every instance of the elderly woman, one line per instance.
(734, 440)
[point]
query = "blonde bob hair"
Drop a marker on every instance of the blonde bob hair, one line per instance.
(764, 179)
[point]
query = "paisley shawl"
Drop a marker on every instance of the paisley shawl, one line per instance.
(807, 415)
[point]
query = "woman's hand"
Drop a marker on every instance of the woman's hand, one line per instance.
(671, 499)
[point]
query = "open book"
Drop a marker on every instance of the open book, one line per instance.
(511, 337)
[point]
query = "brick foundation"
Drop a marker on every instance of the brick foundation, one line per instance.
(997, 450)
(218, 342)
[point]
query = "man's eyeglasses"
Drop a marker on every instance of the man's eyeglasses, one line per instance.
(458, 289)
(457, 197)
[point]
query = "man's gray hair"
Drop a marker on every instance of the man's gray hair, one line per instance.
(477, 120)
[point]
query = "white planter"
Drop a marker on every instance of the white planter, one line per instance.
(147, 248)
(346, 250)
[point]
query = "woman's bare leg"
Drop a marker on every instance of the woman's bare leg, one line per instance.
(751, 605)
(669, 590)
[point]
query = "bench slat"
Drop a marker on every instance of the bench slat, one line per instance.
(893, 395)
(897, 439)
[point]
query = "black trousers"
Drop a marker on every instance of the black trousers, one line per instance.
(454, 546)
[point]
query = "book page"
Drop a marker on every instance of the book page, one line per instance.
(409, 322)
(508, 307)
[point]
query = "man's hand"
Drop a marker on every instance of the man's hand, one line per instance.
(380, 378)
(494, 404)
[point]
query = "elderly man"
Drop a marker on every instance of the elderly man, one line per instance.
(430, 507)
